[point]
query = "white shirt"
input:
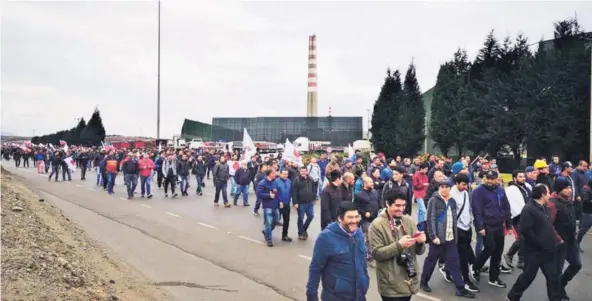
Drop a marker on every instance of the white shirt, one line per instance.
(516, 200)
(466, 216)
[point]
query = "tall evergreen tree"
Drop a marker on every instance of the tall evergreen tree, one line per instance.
(94, 132)
(383, 123)
(78, 132)
(410, 127)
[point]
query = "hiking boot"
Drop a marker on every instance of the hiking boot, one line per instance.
(301, 237)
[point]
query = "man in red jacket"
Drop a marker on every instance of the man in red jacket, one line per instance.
(146, 166)
(420, 187)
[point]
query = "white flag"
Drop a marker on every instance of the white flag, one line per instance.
(350, 151)
(71, 164)
(249, 148)
(290, 153)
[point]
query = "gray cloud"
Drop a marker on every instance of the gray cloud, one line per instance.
(61, 59)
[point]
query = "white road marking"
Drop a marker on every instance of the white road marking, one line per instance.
(172, 214)
(78, 185)
(206, 225)
(250, 239)
(145, 206)
(123, 199)
(91, 189)
(305, 257)
(428, 297)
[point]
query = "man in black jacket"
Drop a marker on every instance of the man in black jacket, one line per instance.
(331, 197)
(242, 178)
(535, 229)
(562, 214)
(368, 206)
(131, 170)
(83, 162)
(303, 198)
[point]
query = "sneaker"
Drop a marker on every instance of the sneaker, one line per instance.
(301, 237)
(425, 287)
(474, 275)
(270, 243)
(287, 239)
(174, 195)
(446, 275)
(505, 270)
(471, 287)
(166, 195)
(465, 294)
(142, 196)
(497, 283)
(227, 205)
(256, 213)
(149, 196)
(246, 205)
(508, 260)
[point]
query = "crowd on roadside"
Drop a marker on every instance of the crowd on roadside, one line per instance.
(366, 209)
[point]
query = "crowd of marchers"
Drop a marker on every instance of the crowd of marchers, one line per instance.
(366, 212)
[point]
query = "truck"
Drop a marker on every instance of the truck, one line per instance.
(304, 145)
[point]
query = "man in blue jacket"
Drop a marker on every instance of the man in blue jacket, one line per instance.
(491, 210)
(267, 192)
(339, 260)
(284, 186)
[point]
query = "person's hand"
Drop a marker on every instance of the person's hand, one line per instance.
(281, 205)
(272, 195)
(296, 206)
(406, 241)
(436, 241)
(482, 232)
(426, 184)
(421, 238)
(367, 215)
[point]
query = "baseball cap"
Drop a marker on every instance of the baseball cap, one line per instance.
(529, 169)
(491, 174)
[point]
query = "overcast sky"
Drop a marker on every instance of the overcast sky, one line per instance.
(230, 59)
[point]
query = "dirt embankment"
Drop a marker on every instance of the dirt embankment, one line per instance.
(46, 257)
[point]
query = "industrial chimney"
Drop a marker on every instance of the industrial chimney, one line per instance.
(311, 97)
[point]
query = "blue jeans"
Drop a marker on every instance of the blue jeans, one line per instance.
(244, 189)
(131, 181)
(198, 180)
(184, 184)
(320, 188)
(110, 182)
(421, 210)
(270, 217)
(99, 178)
(145, 184)
(303, 209)
(233, 189)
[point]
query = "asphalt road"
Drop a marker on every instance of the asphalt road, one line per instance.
(200, 252)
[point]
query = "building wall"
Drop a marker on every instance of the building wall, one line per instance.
(196, 129)
(339, 130)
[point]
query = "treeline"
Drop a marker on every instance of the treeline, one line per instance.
(88, 134)
(510, 97)
(398, 117)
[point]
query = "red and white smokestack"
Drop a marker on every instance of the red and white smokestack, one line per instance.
(311, 98)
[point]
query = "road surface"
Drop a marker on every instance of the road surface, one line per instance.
(200, 252)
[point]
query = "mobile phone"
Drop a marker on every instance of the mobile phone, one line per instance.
(417, 234)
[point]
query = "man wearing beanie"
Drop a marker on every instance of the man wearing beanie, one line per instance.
(562, 215)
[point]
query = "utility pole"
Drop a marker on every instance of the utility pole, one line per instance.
(158, 81)
(368, 133)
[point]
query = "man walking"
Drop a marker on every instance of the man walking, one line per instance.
(303, 198)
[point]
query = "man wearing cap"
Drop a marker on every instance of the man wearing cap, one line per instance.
(490, 210)
(562, 215)
(443, 233)
(531, 176)
(566, 170)
(544, 176)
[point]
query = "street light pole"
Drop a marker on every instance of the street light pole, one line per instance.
(158, 81)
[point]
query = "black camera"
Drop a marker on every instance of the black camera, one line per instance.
(405, 260)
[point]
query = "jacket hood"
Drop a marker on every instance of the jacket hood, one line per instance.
(555, 195)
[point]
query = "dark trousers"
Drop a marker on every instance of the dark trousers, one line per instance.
(493, 246)
(66, 171)
(517, 245)
(159, 178)
(465, 252)
(449, 251)
(221, 188)
(105, 180)
(285, 212)
(170, 181)
(26, 162)
(83, 172)
(532, 263)
(396, 298)
(571, 253)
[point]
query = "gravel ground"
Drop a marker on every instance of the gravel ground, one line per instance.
(46, 257)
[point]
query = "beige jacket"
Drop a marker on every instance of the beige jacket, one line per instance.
(392, 278)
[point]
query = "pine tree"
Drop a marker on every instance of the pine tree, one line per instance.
(78, 132)
(410, 127)
(385, 107)
(94, 132)
(442, 130)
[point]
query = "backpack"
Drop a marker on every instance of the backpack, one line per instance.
(111, 166)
